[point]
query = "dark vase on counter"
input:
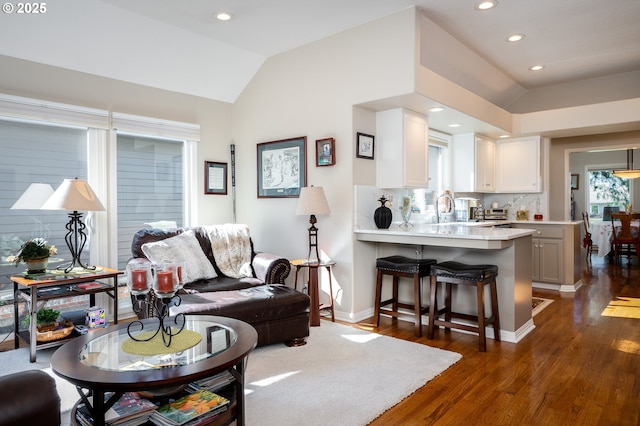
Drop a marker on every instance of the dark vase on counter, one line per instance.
(383, 216)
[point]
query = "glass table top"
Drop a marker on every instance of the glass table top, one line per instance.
(105, 352)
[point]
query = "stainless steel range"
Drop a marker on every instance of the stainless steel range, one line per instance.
(496, 214)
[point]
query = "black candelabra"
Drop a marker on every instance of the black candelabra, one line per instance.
(168, 326)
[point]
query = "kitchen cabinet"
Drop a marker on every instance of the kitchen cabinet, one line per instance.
(547, 260)
(402, 149)
(518, 165)
(555, 254)
(473, 163)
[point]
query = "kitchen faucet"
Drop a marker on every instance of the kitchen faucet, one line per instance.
(451, 204)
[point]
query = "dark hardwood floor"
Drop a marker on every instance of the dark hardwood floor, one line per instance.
(576, 368)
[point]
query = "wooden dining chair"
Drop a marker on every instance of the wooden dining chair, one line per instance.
(587, 241)
(624, 239)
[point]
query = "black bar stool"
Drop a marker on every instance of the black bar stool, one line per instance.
(470, 275)
(400, 266)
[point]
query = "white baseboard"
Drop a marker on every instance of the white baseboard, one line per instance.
(565, 288)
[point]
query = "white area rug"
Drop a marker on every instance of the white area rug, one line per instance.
(342, 376)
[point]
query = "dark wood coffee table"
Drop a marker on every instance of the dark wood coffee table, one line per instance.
(95, 362)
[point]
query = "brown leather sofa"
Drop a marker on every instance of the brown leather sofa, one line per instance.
(279, 313)
(29, 398)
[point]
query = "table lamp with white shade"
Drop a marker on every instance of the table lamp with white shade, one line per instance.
(74, 195)
(313, 202)
(33, 199)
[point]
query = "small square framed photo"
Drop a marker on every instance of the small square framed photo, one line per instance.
(325, 152)
(575, 182)
(364, 146)
(215, 178)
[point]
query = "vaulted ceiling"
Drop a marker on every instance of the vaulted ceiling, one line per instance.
(590, 49)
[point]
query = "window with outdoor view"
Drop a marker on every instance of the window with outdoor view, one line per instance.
(607, 190)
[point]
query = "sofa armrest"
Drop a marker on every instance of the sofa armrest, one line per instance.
(29, 398)
(270, 269)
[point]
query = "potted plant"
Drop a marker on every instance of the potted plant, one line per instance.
(35, 253)
(46, 319)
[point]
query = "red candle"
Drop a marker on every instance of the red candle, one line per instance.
(139, 279)
(164, 281)
(179, 273)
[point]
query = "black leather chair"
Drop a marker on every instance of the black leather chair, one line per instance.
(29, 398)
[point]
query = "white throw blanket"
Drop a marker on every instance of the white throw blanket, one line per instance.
(231, 246)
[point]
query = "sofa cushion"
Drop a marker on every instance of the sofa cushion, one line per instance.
(184, 247)
(252, 305)
(221, 283)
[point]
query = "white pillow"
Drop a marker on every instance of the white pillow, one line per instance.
(185, 247)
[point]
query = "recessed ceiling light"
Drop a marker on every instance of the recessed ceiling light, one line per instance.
(436, 109)
(536, 67)
(455, 125)
(504, 136)
(515, 37)
(224, 16)
(486, 4)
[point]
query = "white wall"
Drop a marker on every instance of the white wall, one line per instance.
(310, 92)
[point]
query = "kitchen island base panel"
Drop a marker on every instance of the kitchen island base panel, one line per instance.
(513, 283)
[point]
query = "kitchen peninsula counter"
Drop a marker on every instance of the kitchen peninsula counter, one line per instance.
(508, 248)
(478, 235)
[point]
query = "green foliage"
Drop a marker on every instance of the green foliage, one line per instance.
(47, 316)
(607, 187)
(36, 248)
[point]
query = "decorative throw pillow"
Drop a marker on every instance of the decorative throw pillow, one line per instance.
(184, 247)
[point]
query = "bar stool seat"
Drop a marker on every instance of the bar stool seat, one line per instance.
(451, 272)
(397, 267)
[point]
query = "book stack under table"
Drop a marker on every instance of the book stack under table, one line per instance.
(197, 405)
(130, 410)
(195, 409)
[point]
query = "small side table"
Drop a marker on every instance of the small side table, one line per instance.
(314, 294)
(57, 286)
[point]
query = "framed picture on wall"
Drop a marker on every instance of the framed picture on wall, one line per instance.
(282, 169)
(325, 152)
(215, 178)
(364, 146)
(575, 182)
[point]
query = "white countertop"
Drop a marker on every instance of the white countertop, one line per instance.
(546, 222)
(446, 234)
(482, 235)
(465, 230)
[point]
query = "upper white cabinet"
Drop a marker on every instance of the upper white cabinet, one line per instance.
(473, 163)
(518, 165)
(401, 149)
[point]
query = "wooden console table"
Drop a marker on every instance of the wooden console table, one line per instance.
(57, 285)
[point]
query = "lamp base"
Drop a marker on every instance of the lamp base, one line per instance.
(75, 239)
(75, 266)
